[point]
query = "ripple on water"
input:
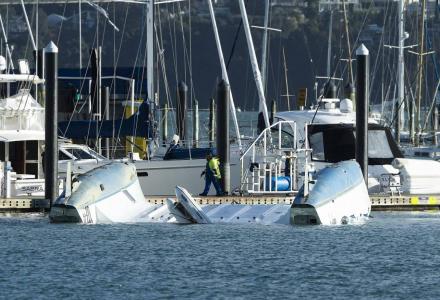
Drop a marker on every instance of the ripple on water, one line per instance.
(391, 256)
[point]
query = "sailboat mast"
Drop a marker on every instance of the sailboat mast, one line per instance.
(80, 36)
(400, 72)
(5, 38)
(329, 48)
(28, 25)
(264, 50)
(150, 49)
(254, 63)
(416, 139)
(347, 35)
(287, 82)
(224, 71)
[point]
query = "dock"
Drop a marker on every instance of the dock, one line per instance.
(24, 204)
(378, 202)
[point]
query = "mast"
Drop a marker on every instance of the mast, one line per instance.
(400, 72)
(347, 35)
(264, 50)
(287, 82)
(28, 26)
(80, 36)
(224, 72)
(150, 49)
(416, 138)
(5, 38)
(254, 63)
(329, 48)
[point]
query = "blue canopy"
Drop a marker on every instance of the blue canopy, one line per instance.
(139, 125)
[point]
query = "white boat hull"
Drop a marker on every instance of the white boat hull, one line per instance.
(339, 196)
(109, 194)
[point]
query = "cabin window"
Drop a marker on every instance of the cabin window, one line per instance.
(80, 154)
(63, 156)
(287, 140)
(317, 144)
(334, 143)
(378, 146)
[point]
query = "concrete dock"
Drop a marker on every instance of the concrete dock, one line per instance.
(378, 202)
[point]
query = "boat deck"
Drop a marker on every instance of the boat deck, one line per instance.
(378, 202)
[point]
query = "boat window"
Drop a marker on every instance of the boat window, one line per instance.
(63, 156)
(96, 154)
(333, 143)
(287, 140)
(378, 146)
(317, 144)
(79, 153)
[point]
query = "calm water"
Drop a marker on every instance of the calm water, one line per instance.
(394, 256)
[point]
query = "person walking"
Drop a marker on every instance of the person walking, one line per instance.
(212, 175)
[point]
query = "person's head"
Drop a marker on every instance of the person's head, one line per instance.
(208, 156)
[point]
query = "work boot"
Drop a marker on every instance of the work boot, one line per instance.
(203, 194)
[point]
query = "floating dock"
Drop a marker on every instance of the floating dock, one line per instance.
(378, 202)
(23, 204)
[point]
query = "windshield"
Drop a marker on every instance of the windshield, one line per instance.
(378, 146)
(79, 153)
(334, 143)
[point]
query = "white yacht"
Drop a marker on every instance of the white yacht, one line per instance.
(331, 135)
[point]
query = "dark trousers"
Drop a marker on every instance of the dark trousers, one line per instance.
(211, 178)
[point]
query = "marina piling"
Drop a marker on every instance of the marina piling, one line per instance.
(105, 93)
(435, 125)
(51, 123)
(330, 91)
(350, 93)
(165, 125)
(211, 122)
(223, 133)
(96, 81)
(362, 92)
(196, 124)
(397, 122)
(182, 92)
(40, 73)
(273, 111)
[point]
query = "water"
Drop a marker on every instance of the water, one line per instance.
(393, 256)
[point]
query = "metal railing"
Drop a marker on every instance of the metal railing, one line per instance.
(264, 173)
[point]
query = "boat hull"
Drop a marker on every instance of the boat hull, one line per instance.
(105, 195)
(339, 196)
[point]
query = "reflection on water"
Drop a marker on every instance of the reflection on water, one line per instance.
(391, 256)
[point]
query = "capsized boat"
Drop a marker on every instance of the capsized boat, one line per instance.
(337, 195)
(107, 194)
(186, 210)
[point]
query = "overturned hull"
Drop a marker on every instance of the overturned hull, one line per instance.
(110, 193)
(186, 210)
(338, 195)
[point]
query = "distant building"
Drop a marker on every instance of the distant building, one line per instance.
(337, 4)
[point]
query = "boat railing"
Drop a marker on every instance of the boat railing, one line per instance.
(271, 164)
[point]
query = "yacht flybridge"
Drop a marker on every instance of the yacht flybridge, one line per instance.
(22, 135)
